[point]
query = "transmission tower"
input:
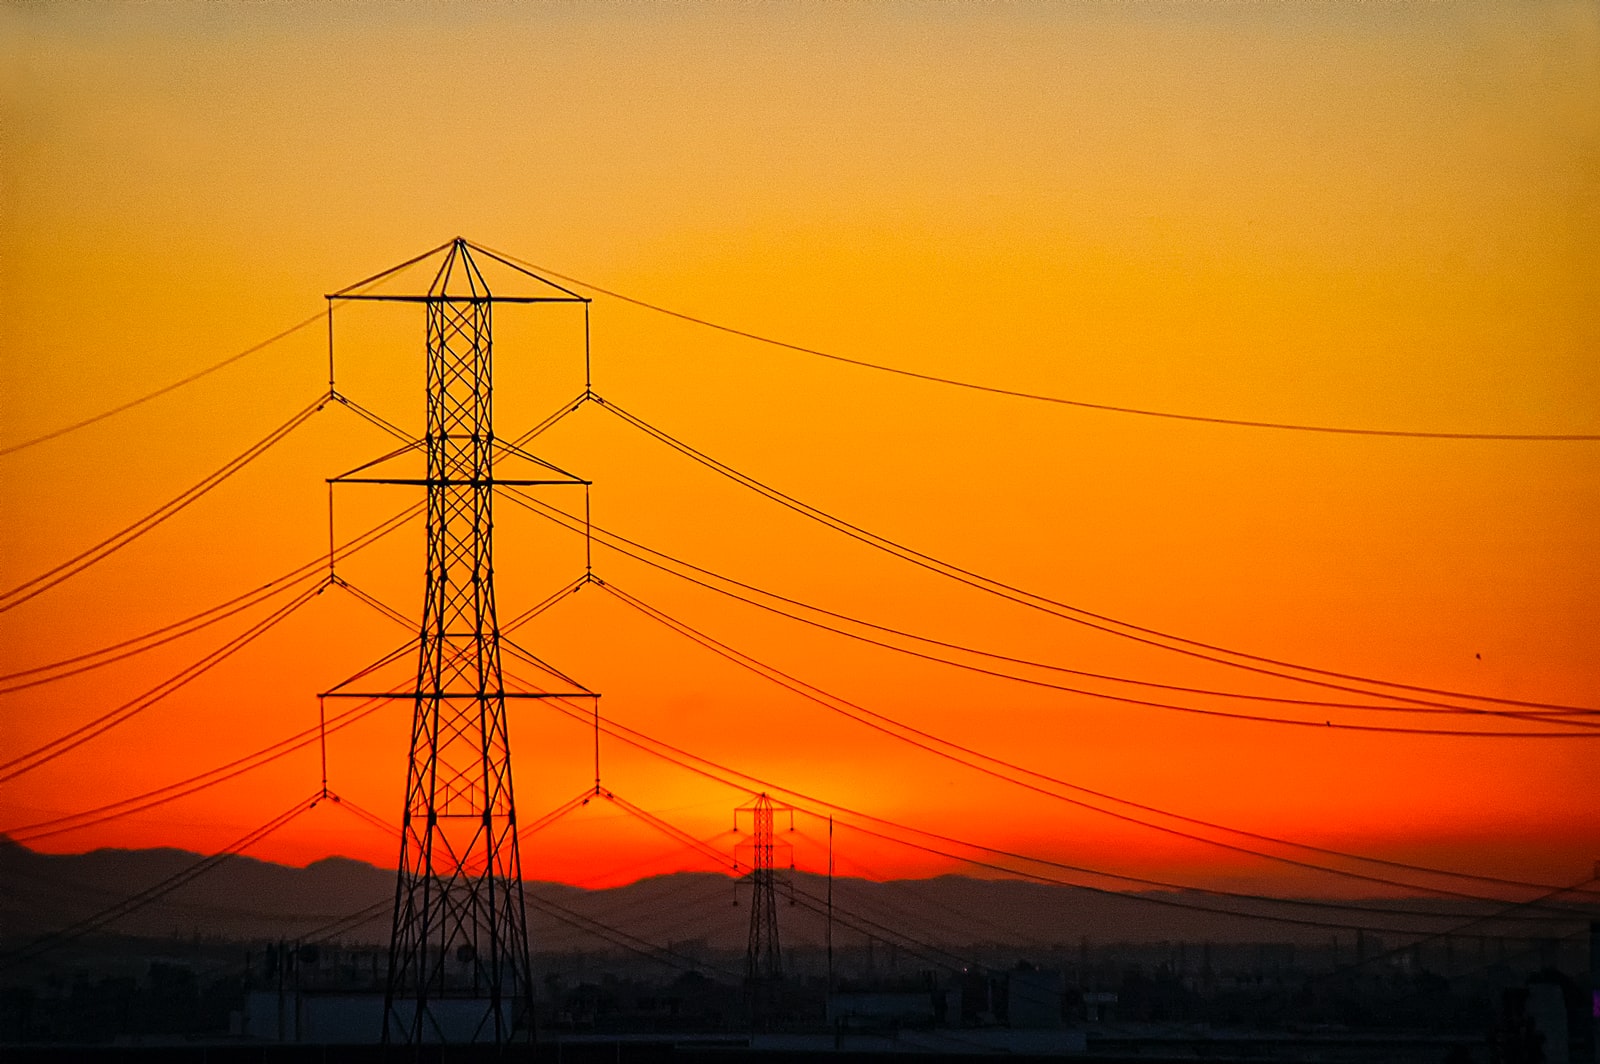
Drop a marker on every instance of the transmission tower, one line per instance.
(458, 959)
(763, 968)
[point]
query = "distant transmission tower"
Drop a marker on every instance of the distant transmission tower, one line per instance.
(458, 960)
(763, 966)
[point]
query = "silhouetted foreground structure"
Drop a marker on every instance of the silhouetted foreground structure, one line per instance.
(458, 968)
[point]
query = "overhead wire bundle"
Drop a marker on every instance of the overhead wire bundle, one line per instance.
(38, 585)
(46, 752)
(1237, 659)
(1573, 717)
(993, 859)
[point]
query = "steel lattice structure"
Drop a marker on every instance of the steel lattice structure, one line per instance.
(459, 966)
(763, 956)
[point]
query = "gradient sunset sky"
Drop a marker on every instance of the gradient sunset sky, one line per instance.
(1366, 215)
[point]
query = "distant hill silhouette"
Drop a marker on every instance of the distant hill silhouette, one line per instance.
(245, 898)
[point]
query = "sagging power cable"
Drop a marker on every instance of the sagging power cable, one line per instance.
(1037, 397)
(202, 781)
(156, 637)
(213, 368)
(1078, 615)
(62, 744)
(1199, 822)
(569, 521)
(28, 589)
(745, 782)
(971, 758)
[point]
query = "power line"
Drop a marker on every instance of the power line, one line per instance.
(1066, 611)
(707, 889)
(930, 641)
(54, 890)
(174, 386)
(266, 755)
(549, 422)
(927, 951)
(160, 796)
(1453, 931)
(349, 922)
(366, 816)
(200, 621)
(725, 775)
(506, 643)
(672, 831)
(1059, 400)
(855, 921)
(690, 841)
(1326, 851)
(214, 367)
(961, 917)
(383, 423)
(1225, 714)
(365, 915)
(1146, 882)
(390, 273)
(145, 641)
(28, 589)
(570, 522)
(539, 607)
(618, 730)
(1361, 962)
(62, 744)
(1158, 899)
(921, 739)
(550, 512)
(571, 805)
(1165, 813)
(632, 943)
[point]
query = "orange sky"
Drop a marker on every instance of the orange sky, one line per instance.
(1376, 215)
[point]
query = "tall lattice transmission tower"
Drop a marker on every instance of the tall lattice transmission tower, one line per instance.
(459, 966)
(763, 972)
